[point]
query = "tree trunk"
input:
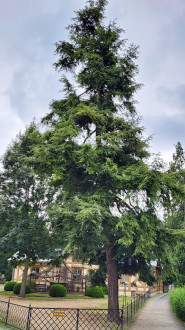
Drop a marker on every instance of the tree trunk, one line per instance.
(24, 277)
(112, 275)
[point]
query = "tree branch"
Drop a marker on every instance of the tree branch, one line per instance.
(120, 202)
(88, 136)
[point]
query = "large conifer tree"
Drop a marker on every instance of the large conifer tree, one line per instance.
(96, 150)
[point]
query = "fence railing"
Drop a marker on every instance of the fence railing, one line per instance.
(35, 318)
(131, 309)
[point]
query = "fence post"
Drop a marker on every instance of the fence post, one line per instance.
(7, 312)
(29, 317)
(122, 320)
(127, 315)
(131, 309)
(77, 319)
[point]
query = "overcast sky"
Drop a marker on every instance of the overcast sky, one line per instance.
(28, 81)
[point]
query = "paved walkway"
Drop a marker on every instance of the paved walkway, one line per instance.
(157, 315)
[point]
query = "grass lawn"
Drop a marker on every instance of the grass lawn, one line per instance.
(46, 297)
(6, 327)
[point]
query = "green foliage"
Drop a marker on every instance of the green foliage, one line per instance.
(134, 284)
(175, 220)
(95, 292)
(17, 288)
(95, 151)
(28, 194)
(5, 266)
(146, 274)
(97, 277)
(105, 289)
(8, 272)
(9, 286)
(89, 291)
(177, 299)
(25, 195)
(58, 290)
(32, 284)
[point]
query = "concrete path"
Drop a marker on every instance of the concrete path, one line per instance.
(157, 315)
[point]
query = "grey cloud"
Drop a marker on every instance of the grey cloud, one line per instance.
(174, 98)
(29, 30)
(165, 131)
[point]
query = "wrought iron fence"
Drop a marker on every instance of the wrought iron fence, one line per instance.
(34, 318)
(131, 309)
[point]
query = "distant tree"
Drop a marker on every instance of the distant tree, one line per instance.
(25, 194)
(95, 149)
(175, 220)
(5, 225)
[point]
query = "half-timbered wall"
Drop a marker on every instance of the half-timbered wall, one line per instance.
(79, 285)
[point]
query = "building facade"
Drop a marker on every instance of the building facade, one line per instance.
(75, 276)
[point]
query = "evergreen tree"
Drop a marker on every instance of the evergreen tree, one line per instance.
(96, 151)
(25, 195)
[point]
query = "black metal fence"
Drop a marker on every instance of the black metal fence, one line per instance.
(130, 309)
(34, 318)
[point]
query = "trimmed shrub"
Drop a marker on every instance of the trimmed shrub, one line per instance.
(95, 291)
(58, 290)
(17, 288)
(177, 299)
(9, 286)
(88, 291)
(105, 289)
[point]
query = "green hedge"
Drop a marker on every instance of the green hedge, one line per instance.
(105, 289)
(94, 291)
(58, 290)
(9, 286)
(177, 299)
(17, 288)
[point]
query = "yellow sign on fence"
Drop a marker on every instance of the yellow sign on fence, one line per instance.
(59, 312)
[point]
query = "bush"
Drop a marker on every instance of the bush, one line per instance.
(177, 299)
(17, 288)
(9, 286)
(95, 291)
(88, 291)
(58, 290)
(105, 289)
